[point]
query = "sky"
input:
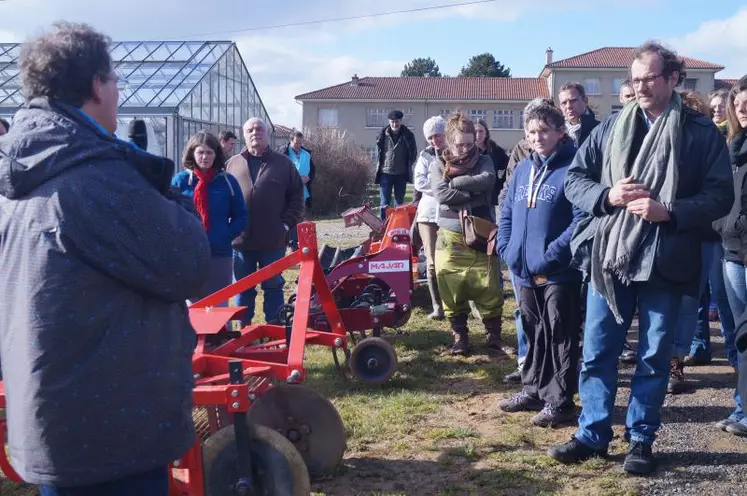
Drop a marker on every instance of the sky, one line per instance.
(288, 61)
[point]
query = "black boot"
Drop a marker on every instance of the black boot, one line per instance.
(493, 333)
(459, 328)
(438, 312)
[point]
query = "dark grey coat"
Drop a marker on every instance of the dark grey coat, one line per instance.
(704, 193)
(95, 339)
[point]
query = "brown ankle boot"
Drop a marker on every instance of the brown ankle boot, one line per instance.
(461, 341)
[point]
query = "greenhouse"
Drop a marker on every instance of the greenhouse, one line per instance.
(177, 87)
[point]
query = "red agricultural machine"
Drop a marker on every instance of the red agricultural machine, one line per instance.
(260, 431)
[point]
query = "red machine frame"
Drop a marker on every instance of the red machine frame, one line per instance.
(266, 351)
(280, 358)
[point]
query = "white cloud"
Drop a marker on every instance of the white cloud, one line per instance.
(282, 68)
(722, 41)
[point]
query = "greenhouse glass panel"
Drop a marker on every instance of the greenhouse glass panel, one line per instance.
(178, 87)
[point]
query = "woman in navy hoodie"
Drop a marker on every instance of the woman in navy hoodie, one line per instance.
(534, 237)
(219, 202)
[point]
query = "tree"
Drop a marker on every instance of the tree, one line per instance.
(421, 67)
(484, 65)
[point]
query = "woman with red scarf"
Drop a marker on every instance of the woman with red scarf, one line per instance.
(462, 179)
(219, 202)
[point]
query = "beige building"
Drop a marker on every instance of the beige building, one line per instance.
(360, 106)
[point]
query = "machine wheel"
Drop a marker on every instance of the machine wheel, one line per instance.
(278, 468)
(308, 420)
(373, 361)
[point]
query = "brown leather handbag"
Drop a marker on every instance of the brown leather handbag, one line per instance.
(476, 231)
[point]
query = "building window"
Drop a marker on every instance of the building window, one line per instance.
(376, 117)
(503, 119)
(445, 113)
(616, 108)
(690, 84)
(616, 83)
(475, 114)
(327, 117)
(592, 86)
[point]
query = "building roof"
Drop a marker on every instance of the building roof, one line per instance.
(616, 58)
(154, 74)
(433, 88)
(726, 84)
(282, 132)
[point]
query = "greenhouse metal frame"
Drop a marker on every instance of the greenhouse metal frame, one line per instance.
(177, 87)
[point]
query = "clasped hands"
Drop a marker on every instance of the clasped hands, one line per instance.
(636, 198)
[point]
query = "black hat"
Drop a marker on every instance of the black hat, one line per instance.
(395, 115)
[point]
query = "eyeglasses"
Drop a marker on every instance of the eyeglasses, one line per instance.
(464, 146)
(646, 81)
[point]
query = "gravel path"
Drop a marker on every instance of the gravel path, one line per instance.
(695, 457)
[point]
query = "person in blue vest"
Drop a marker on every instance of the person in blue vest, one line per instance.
(534, 239)
(219, 202)
(301, 158)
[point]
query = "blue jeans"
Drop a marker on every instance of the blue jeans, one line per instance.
(715, 294)
(521, 338)
(658, 312)
(247, 262)
(689, 313)
(735, 280)
(387, 183)
(152, 483)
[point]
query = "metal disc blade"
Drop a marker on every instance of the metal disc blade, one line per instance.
(278, 467)
(306, 419)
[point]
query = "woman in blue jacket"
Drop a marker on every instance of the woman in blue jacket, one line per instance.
(219, 202)
(534, 237)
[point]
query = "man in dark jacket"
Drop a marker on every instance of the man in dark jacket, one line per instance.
(579, 118)
(652, 177)
(273, 193)
(98, 261)
(397, 153)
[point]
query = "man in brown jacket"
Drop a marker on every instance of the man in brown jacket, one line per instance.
(273, 192)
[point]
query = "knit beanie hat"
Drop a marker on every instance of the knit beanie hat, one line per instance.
(434, 125)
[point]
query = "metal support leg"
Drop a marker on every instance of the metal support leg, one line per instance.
(244, 485)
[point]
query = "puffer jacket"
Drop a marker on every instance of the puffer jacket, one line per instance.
(95, 338)
(427, 204)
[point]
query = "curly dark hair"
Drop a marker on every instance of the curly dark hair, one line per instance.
(203, 138)
(62, 64)
(670, 62)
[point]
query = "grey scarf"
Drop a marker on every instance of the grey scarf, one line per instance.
(620, 237)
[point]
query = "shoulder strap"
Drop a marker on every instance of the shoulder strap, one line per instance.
(228, 182)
